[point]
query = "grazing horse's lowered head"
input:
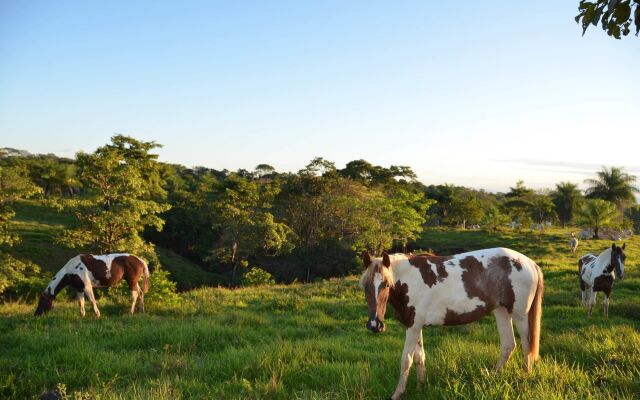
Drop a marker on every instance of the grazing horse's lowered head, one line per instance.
(45, 304)
(376, 282)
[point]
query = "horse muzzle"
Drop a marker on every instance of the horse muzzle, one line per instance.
(376, 326)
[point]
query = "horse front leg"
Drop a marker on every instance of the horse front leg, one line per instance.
(418, 359)
(88, 290)
(606, 306)
(410, 342)
(592, 300)
(80, 297)
(134, 298)
(140, 299)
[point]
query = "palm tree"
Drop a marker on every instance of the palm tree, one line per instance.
(567, 199)
(614, 185)
(597, 214)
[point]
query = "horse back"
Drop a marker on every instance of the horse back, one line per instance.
(109, 269)
(463, 288)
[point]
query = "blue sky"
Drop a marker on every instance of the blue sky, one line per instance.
(479, 94)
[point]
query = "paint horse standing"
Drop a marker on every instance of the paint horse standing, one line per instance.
(84, 272)
(573, 243)
(598, 273)
(455, 290)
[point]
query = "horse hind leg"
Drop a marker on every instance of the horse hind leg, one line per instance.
(507, 340)
(522, 324)
(140, 299)
(134, 298)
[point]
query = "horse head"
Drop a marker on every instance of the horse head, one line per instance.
(376, 282)
(45, 304)
(617, 259)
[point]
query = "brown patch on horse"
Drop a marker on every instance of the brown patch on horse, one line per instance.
(517, 264)
(399, 299)
(133, 269)
(423, 263)
(129, 267)
(603, 283)
(101, 272)
(491, 285)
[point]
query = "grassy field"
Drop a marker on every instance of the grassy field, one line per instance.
(310, 342)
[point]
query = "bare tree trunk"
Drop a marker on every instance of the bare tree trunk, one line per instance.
(234, 265)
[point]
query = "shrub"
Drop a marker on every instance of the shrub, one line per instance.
(19, 278)
(257, 276)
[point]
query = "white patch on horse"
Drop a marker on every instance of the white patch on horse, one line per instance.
(377, 281)
(107, 259)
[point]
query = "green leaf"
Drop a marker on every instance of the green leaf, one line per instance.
(622, 12)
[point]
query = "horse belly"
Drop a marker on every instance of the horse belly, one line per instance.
(455, 308)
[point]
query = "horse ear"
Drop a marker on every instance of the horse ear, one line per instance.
(366, 258)
(613, 246)
(624, 245)
(386, 261)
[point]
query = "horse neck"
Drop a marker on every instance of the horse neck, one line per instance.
(398, 265)
(56, 285)
(603, 260)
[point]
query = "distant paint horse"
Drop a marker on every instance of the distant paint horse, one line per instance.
(84, 272)
(455, 290)
(598, 273)
(573, 243)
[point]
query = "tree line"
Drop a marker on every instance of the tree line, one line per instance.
(263, 223)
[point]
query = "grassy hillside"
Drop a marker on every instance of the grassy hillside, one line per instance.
(310, 342)
(38, 227)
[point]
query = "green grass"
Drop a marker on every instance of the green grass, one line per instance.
(310, 342)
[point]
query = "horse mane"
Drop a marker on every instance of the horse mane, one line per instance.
(376, 266)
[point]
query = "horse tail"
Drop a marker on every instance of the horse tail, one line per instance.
(535, 318)
(146, 284)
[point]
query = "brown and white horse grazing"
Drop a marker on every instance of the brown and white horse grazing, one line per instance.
(86, 271)
(598, 273)
(454, 290)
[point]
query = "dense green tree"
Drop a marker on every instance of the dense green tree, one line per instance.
(615, 16)
(125, 196)
(597, 214)
(464, 209)
(542, 208)
(245, 222)
(369, 174)
(390, 217)
(14, 184)
(519, 191)
(494, 219)
(613, 185)
(566, 198)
